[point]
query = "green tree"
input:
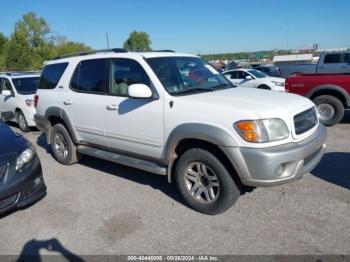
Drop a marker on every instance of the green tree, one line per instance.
(18, 53)
(138, 41)
(63, 46)
(3, 41)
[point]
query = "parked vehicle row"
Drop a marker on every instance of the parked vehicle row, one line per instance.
(328, 63)
(174, 115)
(253, 78)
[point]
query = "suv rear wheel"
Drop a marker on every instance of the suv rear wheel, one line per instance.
(22, 122)
(205, 183)
(62, 146)
(330, 109)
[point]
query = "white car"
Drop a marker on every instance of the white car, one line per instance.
(174, 115)
(254, 79)
(17, 92)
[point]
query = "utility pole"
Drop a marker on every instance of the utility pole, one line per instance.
(107, 40)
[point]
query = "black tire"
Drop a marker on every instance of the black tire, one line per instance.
(228, 194)
(71, 156)
(264, 87)
(22, 121)
(334, 103)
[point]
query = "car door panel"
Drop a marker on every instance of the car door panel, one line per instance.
(135, 124)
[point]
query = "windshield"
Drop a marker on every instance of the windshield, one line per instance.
(27, 85)
(181, 75)
(257, 73)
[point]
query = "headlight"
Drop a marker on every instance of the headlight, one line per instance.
(25, 157)
(262, 131)
(281, 84)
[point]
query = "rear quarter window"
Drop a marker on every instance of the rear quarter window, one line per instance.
(52, 75)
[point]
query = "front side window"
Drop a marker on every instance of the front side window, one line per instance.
(180, 75)
(347, 58)
(6, 85)
(123, 73)
(257, 73)
(332, 59)
(52, 75)
(27, 85)
(90, 76)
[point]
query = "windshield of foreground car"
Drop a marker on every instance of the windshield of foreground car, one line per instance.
(27, 85)
(186, 75)
(257, 73)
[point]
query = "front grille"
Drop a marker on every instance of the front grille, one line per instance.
(2, 171)
(304, 121)
(8, 201)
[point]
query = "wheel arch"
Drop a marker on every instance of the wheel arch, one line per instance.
(57, 115)
(203, 136)
(332, 90)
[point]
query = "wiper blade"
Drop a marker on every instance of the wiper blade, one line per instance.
(193, 90)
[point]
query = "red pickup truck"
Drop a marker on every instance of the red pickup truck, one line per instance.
(330, 93)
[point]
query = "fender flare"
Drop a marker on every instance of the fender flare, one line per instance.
(60, 113)
(204, 132)
(336, 88)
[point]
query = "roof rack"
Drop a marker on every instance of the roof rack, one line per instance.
(165, 51)
(115, 50)
(13, 73)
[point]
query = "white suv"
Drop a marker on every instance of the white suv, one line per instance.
(174, 115)
(17, 92)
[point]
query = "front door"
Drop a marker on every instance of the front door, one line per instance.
(133, 125)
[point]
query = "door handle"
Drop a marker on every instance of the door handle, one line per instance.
(112, 107)
(67, 102)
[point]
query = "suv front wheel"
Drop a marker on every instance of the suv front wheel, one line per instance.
(62, 146)
(205, 183)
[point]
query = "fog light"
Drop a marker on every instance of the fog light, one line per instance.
(37, 181)
(280, 169)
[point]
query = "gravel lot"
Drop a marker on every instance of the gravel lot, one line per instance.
(97, 207)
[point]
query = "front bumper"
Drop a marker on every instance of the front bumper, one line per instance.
(25, 188)
(258, 167)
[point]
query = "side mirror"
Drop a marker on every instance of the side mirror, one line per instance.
(6, 93)
(248, 78)
(139, 91)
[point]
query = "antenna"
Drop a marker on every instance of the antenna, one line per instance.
(107, 40)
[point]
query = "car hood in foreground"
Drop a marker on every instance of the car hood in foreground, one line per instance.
(10, 142)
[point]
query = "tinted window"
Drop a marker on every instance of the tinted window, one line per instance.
(26, 85)
(6, 85)
(52, 75)
(347, 58)
(257, 73)
(90, 76)
(332, 59)
(123, 73)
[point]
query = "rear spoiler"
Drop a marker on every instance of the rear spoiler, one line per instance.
(6, 116)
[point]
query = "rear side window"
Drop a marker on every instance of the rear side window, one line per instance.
(347, 58)
(90, 76)
(332, 59)
(52, 75)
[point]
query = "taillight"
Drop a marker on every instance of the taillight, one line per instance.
(286, 86)
(36, 100)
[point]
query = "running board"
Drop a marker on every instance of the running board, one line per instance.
(123, 160)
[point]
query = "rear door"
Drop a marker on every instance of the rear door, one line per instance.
(335, 63)
(85, 101)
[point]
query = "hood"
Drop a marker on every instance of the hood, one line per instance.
(248, 101)
(277, 79)
(10, 142)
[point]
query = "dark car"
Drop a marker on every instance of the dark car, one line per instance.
(21, 179)
(269, 70)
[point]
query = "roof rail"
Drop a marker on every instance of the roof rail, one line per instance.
(115, 50)
(165, 51)
(11, 73)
